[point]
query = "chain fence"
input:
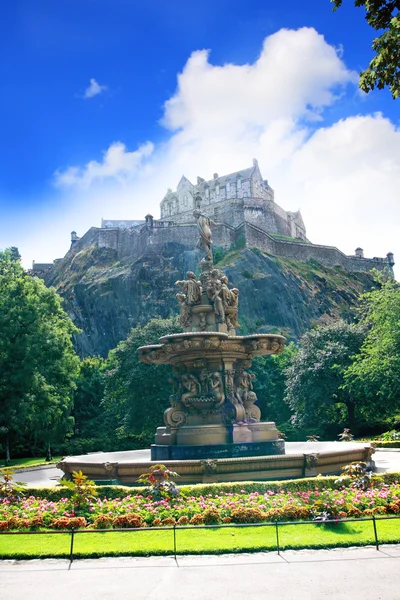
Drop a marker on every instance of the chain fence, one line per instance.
(176, 529)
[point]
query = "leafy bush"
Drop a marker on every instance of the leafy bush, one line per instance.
(128, 520)
(391, 436)
(211, 516)
(8, 487)
(202, 489)
(103, 522)
(84, 490)
(69, 523)
(161, 484)
(247, 515)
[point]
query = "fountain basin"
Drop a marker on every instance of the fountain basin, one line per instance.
(302, 459)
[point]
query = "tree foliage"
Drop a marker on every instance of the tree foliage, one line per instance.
(375, 372)
(88, 397)
(384, 69)
(270, 382)
(38, 364)
(315, 389)
(136, 394)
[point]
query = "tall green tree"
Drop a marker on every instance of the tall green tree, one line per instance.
(384, 69)
(270, 384)
(88, 410)
(375, 371)
(136, 394)
(38, 365)
(315, 389)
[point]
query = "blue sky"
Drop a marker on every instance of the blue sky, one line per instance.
(53, 118)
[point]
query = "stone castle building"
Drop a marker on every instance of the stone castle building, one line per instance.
(243, 206)
(233, 199)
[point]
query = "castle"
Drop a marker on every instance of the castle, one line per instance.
(243, 207)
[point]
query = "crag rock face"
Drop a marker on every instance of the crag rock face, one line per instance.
(106, 297)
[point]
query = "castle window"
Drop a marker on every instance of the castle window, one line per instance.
(185, 200)
(228, 186)
(239, 183)
(217, 189)
(207, 192)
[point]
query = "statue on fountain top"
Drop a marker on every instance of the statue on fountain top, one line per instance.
(205, 241)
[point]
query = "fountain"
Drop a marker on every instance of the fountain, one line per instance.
(213, 430)
(213, 411)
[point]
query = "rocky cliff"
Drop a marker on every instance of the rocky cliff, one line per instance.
(106, 297)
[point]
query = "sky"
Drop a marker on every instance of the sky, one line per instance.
(104, 104)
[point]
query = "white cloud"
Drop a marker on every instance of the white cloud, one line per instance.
(344, 176)
(93, 89)
(295, 76)
(117, 163)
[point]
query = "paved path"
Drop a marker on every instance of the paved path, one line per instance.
(359, 574)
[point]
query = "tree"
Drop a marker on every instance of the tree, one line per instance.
(384, 68)
(38, 365)
(88, 410)
(315, 378)
(375, 371)
(270, 382)
(136, 394)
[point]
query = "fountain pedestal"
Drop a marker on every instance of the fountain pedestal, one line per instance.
(213, 411)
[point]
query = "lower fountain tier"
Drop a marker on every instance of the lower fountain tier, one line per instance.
(215, 451)
(217, 441)
(301, 459)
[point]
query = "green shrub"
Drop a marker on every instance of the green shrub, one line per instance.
(202, 489)
(387, 444)
(247, 274)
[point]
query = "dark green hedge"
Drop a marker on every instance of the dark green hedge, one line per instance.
(202, 489)
(387, 444)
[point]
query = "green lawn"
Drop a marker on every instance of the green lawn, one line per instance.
(18, 463)
(198, 541)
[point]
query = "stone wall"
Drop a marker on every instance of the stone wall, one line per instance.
(326, 255)
(137, 242)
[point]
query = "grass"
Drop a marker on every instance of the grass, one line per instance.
(20, 463)
(199, 541)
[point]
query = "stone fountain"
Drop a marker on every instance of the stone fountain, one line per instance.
(213, 412)
(212, 430)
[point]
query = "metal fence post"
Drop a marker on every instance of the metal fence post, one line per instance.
(71, 550)
(277, 537)
(375, 533)
(175, 541)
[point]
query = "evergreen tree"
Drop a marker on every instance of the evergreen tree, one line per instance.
(38, 364)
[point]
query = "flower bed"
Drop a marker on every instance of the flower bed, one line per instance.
(225, 507)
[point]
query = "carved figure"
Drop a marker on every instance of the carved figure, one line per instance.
(205, 272)
(217, 387)
(203, 378)
(203, 321)
(185, 317)
(245, 395)
(210, 466)
(234, 297)
(214, 293)
(191, 387)
(244, 383)
(229, 381)
(191, 288)
(205, 241)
